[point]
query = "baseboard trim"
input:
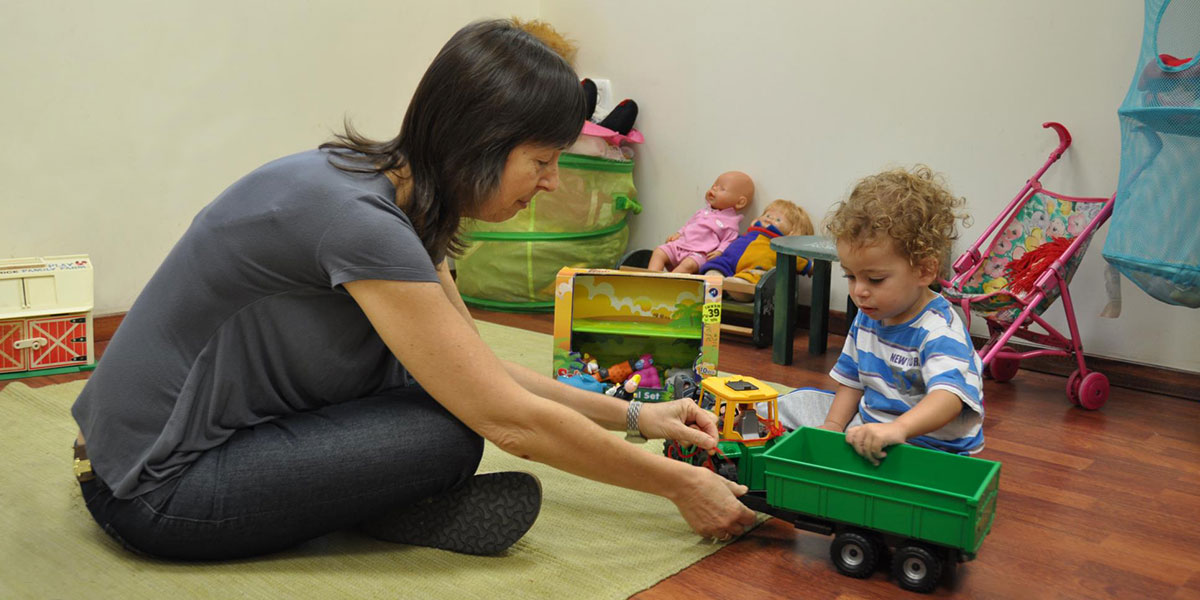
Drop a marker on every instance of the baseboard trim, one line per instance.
(1153, 379)
(1146, 378)
(104, 326)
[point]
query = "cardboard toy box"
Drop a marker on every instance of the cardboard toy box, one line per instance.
(619, 317)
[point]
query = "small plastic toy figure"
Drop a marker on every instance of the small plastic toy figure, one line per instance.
(590, 366)
(682, 384)
(622, 370)
(583, 381)
(750, 256)
(649, 377)
(710, 230)
(625, 391)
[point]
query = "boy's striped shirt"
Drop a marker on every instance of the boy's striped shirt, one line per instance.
(897, 365)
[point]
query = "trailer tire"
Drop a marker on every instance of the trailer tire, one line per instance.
(728, 470)
(916, 568)
(854, 554)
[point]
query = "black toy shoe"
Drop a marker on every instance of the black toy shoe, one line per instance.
(622, 117)
(485, 515)
(589, 94)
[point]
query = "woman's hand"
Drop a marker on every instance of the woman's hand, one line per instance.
(672, 237)
(710, 506)
(870, 440)
(680, 420)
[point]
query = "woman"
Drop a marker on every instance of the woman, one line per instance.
(254, 397)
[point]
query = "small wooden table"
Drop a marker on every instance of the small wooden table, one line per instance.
(822, 252)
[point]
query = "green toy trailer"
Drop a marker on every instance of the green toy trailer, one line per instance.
(933, 508)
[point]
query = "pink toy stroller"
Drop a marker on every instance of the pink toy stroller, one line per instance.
(1039, 241)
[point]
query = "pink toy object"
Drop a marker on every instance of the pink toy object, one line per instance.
(624, 370)
(1041, 267)
(649, 377)
(615, 138)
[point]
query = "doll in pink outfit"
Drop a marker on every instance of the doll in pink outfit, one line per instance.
(710, 230)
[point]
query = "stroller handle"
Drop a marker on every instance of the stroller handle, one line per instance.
(1064, 138)
(969, 261)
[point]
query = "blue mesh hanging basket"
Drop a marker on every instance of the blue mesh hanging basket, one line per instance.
(1153, 238)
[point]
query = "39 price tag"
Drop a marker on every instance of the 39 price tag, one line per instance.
(711, 312)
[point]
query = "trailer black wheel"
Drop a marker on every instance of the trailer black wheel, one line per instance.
(916, 568)
(728, 470)
(854, 554)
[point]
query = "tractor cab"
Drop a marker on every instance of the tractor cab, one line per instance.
(747, 409)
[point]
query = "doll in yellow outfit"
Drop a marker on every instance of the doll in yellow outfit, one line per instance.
(750, 256)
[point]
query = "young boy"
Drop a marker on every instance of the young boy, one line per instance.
(908, 371)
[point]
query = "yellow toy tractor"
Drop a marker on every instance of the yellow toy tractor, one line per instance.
(747, 412)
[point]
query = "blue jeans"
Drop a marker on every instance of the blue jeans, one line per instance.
(277, 484)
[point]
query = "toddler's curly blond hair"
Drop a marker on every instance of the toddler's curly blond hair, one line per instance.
(913, 208)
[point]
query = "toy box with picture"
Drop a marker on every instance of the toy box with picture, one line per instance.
(612, 325)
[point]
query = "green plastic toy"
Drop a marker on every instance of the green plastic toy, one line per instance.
(930, 509)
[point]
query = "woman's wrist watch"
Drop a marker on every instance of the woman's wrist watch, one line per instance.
(632, 432)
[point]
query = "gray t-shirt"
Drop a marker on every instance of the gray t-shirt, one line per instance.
(246, 320)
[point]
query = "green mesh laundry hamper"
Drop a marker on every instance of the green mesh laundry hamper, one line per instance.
(511, 266)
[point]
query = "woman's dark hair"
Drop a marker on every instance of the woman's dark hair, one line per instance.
(492, 87)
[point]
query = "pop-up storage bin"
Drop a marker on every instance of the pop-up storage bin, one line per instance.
(511, 266)
(1152, 237)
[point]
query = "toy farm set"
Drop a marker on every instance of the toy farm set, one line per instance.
(610, 326)
(929, 509)
(45, 316)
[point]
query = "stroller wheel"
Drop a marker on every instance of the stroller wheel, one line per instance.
(1003, 368)
(1093, 391)
(1073, 387)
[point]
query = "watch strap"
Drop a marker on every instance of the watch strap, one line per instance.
(633, 432)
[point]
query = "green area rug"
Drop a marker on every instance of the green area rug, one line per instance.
(591, 540)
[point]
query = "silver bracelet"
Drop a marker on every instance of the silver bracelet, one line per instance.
(633, 432)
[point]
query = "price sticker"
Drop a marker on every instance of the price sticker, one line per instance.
(711, 312)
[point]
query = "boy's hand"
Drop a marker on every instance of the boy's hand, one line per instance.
(714, 254)
(870, 440)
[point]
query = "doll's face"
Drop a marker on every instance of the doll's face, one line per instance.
(776, 218)
(730, 190)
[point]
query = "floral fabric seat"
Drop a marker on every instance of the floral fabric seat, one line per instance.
(1044, 217)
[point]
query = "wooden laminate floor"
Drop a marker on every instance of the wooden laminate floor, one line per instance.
(1102, 504)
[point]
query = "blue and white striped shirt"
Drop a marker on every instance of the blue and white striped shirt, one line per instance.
(897, 365)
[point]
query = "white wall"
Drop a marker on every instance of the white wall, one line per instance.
(809, 96)
(122, 118)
